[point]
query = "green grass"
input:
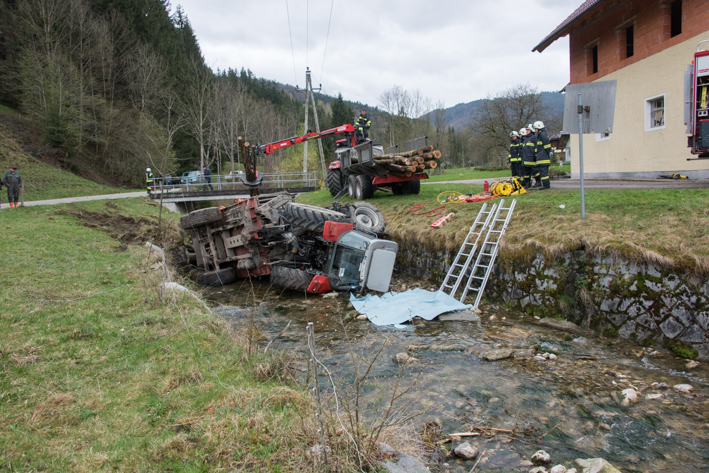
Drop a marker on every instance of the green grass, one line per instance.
(460, 174)
(41, 180)
(100, 374)
(669, 226)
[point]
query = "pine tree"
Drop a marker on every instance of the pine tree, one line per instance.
(341, 112)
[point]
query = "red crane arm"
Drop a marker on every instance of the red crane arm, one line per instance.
(271, 148)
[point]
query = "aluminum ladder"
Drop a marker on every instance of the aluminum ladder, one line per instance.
(467, 252)
(488, 252)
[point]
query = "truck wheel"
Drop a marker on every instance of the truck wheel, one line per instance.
(415, 187)
(290, 278)
(397, 189)
(309, 217)
(366, 216)
(334, 181)
(219, 277)
(201, 217)
(363, 188)
(351, 186)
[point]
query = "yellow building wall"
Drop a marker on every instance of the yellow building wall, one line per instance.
(631, 151)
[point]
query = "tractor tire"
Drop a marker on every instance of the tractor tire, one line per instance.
(220, 277)
(290, 278)
(351, 186)
(397, 189)
(415, 187)
(363, 187)
(334, 181)
(367, 217)
(201, 217)
(309, 217)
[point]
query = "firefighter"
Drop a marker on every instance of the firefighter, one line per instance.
(149, 179)
(527, 156)
(514, 158)
(362, 124)
(13, 182)
(543, 160)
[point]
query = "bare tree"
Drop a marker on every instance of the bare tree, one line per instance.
(198, 104)
(408, 113)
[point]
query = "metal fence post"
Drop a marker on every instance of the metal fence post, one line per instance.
(314, 367)
(583, 200)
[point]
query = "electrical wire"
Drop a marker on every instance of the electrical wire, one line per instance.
(295, 76)
(322, 68)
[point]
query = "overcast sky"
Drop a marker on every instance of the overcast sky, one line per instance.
(452, 51)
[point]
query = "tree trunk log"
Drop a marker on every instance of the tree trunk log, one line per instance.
(432, 164)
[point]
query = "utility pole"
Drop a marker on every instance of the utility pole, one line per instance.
(310, 95)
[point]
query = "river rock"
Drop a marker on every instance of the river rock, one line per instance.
(539, 469)
(466, 451)
(558, 469)
(563, 325)
(499, 354)
(684, 388)
(463, 315)
(692, 364)
(403, 358)
(572, 470)
(405, 463)
(362, 317)
(595, 465)
(541, 457)
(630, 396)
(552, 356)
(653, 396)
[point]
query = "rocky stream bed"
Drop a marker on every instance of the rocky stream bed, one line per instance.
(566, 391)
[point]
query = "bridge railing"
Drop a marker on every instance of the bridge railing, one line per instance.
(233, 182)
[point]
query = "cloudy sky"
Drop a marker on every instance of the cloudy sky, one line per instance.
(452, 51)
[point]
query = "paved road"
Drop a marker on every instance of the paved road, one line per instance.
(607, 183)
(70, 200)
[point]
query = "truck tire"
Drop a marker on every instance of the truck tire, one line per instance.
(415, 187)
(398, 189)
(290, 278)
(363, 188)
(309, 217)
(366, 216)
(334, 181)
(351, 186)
(201, 217)
(219, 277)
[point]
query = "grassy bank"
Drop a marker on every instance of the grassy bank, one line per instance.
(101, 373)
(670, 227)
(43, 181)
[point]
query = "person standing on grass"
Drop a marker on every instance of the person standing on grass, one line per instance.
(542, 159)
(207, 179)
(514, 159)
(13, 181)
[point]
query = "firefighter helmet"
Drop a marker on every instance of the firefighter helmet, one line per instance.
(513, 133)
(539, 125)
(147, 170)
(522, 131)
(530, 127)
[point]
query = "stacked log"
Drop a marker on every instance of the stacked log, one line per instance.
(410, 162)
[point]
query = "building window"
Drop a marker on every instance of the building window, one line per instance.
(593, 60)
(655, 113)
(603, 136)
(629, 41)
(675, 18)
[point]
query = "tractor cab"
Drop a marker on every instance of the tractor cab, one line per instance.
(361, 261)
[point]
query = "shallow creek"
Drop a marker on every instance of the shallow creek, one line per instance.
(578, 395)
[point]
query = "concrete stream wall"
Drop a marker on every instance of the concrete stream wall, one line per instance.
(612, 295)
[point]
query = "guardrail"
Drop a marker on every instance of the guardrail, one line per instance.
(228, 182)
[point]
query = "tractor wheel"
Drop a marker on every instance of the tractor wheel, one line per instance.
(366, 216)
(363, 187)
(290, 278)
(309, 217)
(219, 277)
(334, 181)
(201, 217)
(397, 189)
(415, 187)
(351, 186)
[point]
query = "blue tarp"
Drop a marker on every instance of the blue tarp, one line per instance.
(396, 308)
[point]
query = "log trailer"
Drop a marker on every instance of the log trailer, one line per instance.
(697, 103)
(300, 247)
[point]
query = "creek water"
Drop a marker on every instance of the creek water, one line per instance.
(574, 400)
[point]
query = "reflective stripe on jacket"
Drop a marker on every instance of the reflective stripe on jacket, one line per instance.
(529, 150)
(514, 155)
(363, 122)
(149, 177)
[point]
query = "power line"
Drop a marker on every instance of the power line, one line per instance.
(322, 68)
(295, 76)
